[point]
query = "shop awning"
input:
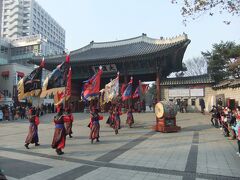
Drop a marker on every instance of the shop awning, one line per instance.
(5, 73)
(20, 74)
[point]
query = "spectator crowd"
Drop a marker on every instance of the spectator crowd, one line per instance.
(9, 113)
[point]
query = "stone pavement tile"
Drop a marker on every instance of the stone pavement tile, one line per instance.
(77, 147)
(157, 152)
(201, 169)
(51, 173)
(20, 168)
(161, 150)
(57, 166)
(216, 155)
(36, 159)
(170, 177)
(118, 174)
(74, 173)
(138, 177)
(236, 173)
(11, 178)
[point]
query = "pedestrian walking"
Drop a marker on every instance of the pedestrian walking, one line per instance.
(202, 105)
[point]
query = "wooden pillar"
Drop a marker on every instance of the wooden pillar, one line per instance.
(158, 78)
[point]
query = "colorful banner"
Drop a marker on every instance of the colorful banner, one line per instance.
(92, 86)
(111, 89)
(57, 80)
(127, 94)
(31, 85)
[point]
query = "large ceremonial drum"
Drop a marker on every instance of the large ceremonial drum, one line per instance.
(165, 109)
(166, 112)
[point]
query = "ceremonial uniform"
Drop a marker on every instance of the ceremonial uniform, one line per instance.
(130, 119)
(94, 126)
(117, 120)
(110, 119)
(59, 137)
(68, 119)
(32, 136)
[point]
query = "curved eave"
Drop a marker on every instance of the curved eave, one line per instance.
(179, 46)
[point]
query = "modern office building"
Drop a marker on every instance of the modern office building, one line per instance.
(20, 18)
(21, 49)
(27, 47)
(4, 51)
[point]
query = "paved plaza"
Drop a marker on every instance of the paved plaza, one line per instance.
(198, 151)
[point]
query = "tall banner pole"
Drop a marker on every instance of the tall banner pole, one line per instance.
(68, 76)
(42, 66)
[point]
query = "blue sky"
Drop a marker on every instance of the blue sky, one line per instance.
(109, 20)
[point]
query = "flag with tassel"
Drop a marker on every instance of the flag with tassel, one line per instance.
(91, 87)
(56, 81)
(127, 94)
(31, 85)
(111, 89)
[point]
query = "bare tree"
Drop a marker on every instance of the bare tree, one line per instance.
(195, 8)
(196, 66)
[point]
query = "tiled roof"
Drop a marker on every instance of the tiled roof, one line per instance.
(223, 84)
(133, 47)
(201, 79)
(227, 83)
(235, 83)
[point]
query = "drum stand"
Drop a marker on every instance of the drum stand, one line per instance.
(166, 125)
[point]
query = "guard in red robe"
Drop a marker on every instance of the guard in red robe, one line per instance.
(32, 136)
(68, 119)
(110, 120)
(130, 119)
(94, 125)
(59, 137)
(117, 120)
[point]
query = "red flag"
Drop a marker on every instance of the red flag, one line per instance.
(123, 88)
(138, 91)
(144, 88)
(58, 98)
(69, 84)
(136, 94)
(67, 59)
(92, 86)
(42, 63)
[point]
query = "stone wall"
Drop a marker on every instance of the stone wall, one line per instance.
(230, 93)
(210, 96)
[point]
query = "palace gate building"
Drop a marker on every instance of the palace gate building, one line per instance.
(143, 58)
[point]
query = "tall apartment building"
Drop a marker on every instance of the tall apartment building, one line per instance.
(1, 8)
(25, 18)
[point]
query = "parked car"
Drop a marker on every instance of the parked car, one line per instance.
(1, 115)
